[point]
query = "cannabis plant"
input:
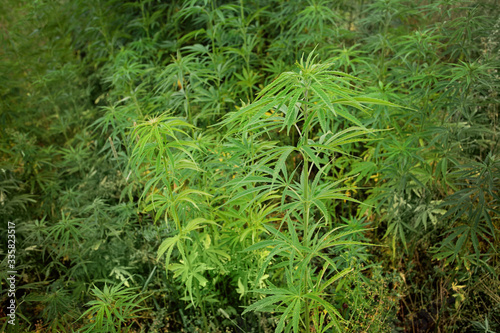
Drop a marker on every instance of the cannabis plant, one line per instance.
(307, 102)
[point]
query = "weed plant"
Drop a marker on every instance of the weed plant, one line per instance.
(251, 166)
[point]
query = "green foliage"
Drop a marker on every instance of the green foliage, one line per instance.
(203, 165)
(112, 308)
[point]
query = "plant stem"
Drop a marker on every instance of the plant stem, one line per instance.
(306, 208)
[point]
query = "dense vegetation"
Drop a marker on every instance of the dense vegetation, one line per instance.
(251, 166)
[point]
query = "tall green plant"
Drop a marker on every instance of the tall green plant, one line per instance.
(307, 101)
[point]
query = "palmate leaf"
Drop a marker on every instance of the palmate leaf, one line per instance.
(291, 91)
(267, 155)
(244, 114)
(191, 271)
(265, 303)
(291, 304)
(285, 79)
(288, 302)
(159, 137)
(260, 190)
(176, 241)
(280, 153)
